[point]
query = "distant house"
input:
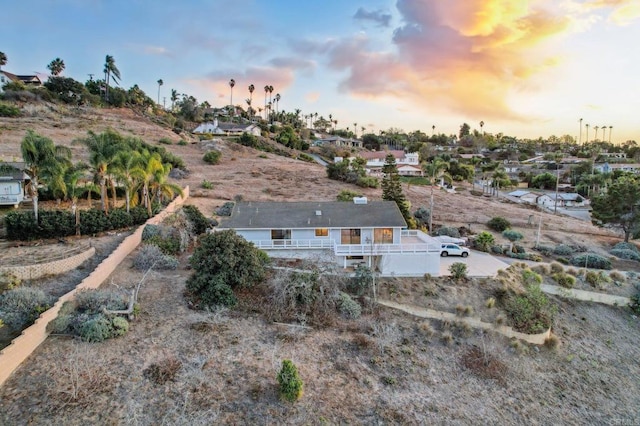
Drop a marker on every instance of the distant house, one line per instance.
(339, 142)
(361, 232)
(228, 129)
(12, 183)
(29, 80)
(523, 196)
(571, 199)
(408, 164)
(624, 167)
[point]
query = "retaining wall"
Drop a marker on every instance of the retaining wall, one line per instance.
(55, 267)
(22, 346)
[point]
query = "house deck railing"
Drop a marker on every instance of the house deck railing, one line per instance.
(294, 244)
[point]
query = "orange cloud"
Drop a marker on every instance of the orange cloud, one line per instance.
(464, 56)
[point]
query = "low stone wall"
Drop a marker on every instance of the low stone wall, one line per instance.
(54, 267)
(22, 346)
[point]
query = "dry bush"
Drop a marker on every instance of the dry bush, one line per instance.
(362, 341)
(387, 335)
(556, 268)
(485, 365)
(163, 371)
(617, 276)
(447, 338)
(551, 342)
(542, 269)
(424, 329)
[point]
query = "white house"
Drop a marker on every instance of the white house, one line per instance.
(624, 167)
(524, 196)
(228, 128)
(358, 232)
(564, 200)
(377, 158)
(12, 181)
(29, 80)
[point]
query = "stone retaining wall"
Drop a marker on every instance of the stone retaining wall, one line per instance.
(54, 267)
(22, 346)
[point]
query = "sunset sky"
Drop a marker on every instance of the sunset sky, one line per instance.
(525, 68)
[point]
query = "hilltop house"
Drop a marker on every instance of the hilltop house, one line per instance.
(408, 164)
(227, 128)
(338, 142)
(29, 80)
(624, 167)
(571, 199)
(358, 232)
(523, 196)
(12, 183)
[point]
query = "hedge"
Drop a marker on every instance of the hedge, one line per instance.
(21, 225)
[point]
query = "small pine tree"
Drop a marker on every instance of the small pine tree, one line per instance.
(392, 187)
(290, 383)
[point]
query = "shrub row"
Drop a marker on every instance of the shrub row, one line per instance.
(58, 223)
(590, 260)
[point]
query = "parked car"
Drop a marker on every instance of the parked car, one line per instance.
(453, 250)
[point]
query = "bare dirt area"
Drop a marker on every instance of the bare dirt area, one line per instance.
(179, 366)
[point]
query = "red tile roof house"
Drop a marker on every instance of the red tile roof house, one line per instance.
(360, 232)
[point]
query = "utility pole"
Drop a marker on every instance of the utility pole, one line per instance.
(538, 233)
(555, 206)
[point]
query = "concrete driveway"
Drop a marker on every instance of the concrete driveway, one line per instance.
(479, 264)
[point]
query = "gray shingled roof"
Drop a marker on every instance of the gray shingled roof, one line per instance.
(296, 215)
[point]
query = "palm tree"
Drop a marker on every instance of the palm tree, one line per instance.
(481, 126)
(610, 129)
(433, 130)
(434, 169)
(266, 90)
(595, 138)
(251, 89)
(73, 175)
(3, 60)
(587, 135)
(56, 66)
(128, 173)
(103, 150)
(160, 83)
(44, 159)
(277, 99)
(232, 83)
(162, 189)
(174, 98)
(580, 140)
(355, 130)
(110, 71)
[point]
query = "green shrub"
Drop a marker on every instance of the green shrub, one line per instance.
(248, 140)
(206, 184)
(591, 260)
(348, 307)
(96, 329)
(182, 142)
(139, 215)
(512, 235)
(225, 209)
(531, 312)
(626, 254)
(21, 306)
(119, 219)
(149, 231)
(597, 279)
(458, 270)
(120, 326)
(346, 195)
(165, 141)
(626, 246)
(291, 386)
(563, 250)
(212, 157)
(484, 240)
(497, 250)
(556, 267)
(546, 250)
(519, 249)
(198, 222)
(150, 255)
(92, 301)
(499, 224)
(368, 182)
(635, 303)
(529, 277)
(361, 281)
(93, 222)
(9, 110)
(564, 280)
(169, 244)
(449, 231)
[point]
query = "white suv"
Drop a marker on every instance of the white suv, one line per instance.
(450, 249)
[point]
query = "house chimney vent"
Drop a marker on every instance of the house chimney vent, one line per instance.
(318, 212)
(359, 200)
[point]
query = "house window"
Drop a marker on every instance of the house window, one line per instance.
(281, 234)
(322, 232)
(383, 236)
(355, 257)
(350, 236)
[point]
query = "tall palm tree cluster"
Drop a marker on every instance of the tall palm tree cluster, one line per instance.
(114, 162)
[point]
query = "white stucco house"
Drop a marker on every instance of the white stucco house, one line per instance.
(359, 232)
(564, 200)
(623, 167)
(12, 183)
(524, 196)
(408, 164)
(225, 128)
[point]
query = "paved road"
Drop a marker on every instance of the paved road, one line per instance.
(318, 159)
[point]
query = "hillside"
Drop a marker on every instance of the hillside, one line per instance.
(384, 368)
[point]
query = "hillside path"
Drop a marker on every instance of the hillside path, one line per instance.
(588, 296)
